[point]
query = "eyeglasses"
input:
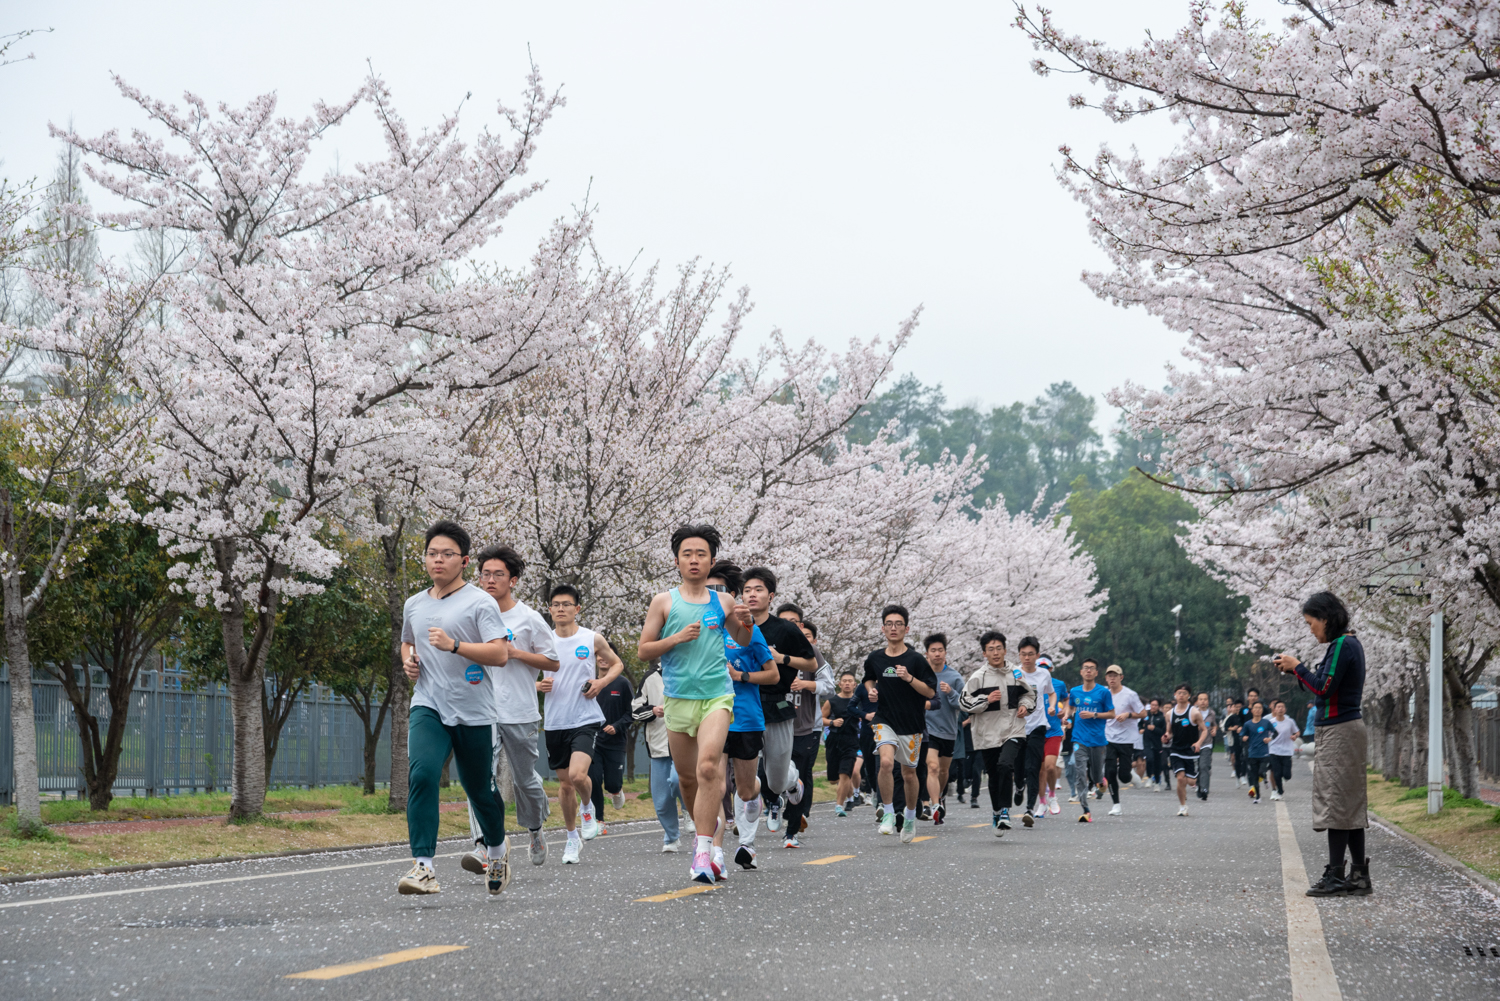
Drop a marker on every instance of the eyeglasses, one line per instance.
(894, 625)
(494, 575)
(446, 554)
(563, 604)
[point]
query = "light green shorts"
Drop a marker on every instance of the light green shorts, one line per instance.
(686, 715)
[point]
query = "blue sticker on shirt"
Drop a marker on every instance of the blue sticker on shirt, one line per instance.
(582, 653)
(713, 617)
(473, 674)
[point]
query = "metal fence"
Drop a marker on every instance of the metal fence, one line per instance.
(181, 740)
(1487, 739)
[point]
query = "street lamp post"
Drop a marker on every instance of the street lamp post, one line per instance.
(1435, 715)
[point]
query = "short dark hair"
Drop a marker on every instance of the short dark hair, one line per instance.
(900, 610)
(846, 672)
(1088, 660)
(1238, 701)
(787, 606)
(1258, 702)
(1252, 691)
(1325, 605)
(935, 638)
(707, 533)
(448, 530)
(514, 565)
(1277, 702)
(810, 627)
(1029, 641)
(1183, 686)
(569, 590)
(734, 578)
(989, 636)
(765, 575)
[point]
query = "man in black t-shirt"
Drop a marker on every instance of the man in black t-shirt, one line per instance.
(792, 653)
(902, 681)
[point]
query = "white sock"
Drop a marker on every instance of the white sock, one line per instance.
(751, 810)
(425, 860)
(498, 851)
(888, 807)
(705, 845)
(573, 834)
(911, 814)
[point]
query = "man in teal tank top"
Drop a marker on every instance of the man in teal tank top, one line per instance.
(684, 630)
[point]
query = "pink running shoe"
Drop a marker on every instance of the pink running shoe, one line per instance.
(702, 869)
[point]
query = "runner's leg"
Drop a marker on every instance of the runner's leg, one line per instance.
(473, 755)
(428, 743)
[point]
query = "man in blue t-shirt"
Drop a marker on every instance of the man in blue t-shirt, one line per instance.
(750, 667)
(1092, 707)
(1052, 750)
(1257, 734)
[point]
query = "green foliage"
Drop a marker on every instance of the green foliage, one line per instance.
(1130, 530)
(1040, 448)
(18, 828)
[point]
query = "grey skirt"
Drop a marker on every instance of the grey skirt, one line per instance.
(1339, 795)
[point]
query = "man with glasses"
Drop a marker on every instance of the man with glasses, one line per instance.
(574, 718)
(792, 654)
(532, 649)
(450, 634)
(902, 681)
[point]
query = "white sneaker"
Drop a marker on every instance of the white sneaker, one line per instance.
(908, 831)
(794, 794)
(1115, 811)
(1072, 799)
(1275, 795)
(773, 819)
(476, 861)
(687, 824)
(1182, 811)
(571, 850)
(1053, 806)
(497, 876)
(538, 847)
(590, 827)
(672, 847)
(618, 799)
(888, 823)
(419, 879)
(721, 873)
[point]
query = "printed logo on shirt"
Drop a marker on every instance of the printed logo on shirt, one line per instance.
(582, 653)
(713, 618)
(473, 674)
(510, 636)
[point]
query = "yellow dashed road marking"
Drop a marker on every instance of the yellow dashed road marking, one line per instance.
(374, 962)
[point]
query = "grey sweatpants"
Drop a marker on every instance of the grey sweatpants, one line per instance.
(781, 774)
(1205, 767)
(520, 743)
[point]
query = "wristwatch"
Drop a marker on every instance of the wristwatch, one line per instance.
(455, 646)
(786, 660)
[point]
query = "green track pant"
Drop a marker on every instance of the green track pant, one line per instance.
(428, 742)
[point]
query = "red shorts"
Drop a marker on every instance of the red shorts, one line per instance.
(1053, 747)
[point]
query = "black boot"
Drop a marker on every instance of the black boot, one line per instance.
(1332, 884)
(1359, 880)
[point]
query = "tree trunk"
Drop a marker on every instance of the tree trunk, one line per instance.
(1377, 721)
(1459, 674)
(399, 691)
(1400, 731)
(22, 713)
(1416, 774)
(246, 683)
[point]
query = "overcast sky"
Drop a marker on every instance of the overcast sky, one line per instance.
(848, 162)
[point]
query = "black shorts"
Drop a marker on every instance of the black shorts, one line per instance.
(943, 745)
(1187, 765)
(841, 755)
(561, 745)
(744, 745)
(1139, 755)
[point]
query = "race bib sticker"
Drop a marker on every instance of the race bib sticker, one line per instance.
(713, 617)
(582, 653)
(473, 674)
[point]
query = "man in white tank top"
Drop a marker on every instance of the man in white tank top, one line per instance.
(573, 717)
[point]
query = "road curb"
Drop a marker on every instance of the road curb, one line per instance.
(184, 863)
(218, 859)
(1479, 879)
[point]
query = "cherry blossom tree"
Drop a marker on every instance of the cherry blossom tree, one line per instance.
(320, 331)
(1324, 233)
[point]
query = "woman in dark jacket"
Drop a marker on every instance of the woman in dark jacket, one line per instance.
(1339, 772)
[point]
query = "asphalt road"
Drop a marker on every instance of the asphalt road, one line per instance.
(1142, 906)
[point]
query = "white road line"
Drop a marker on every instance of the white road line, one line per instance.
(263, 875)
(1313, 978)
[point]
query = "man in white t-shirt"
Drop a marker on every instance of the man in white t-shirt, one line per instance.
(1121, 733)
(452, 637)
(1040, 680)
(532, 649)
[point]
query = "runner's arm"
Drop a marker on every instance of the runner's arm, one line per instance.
(652, 645)
(768, 674)
(610, 659)
(540, 661)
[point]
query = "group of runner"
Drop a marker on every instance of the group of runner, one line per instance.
(736, 706)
